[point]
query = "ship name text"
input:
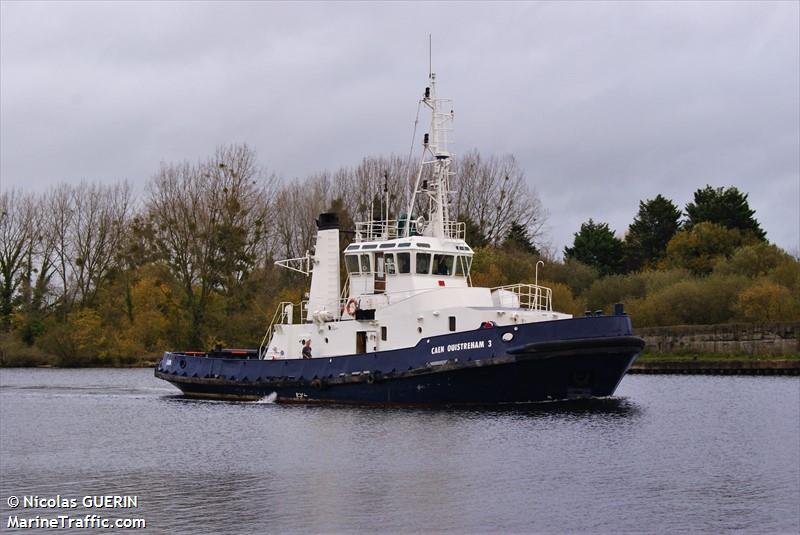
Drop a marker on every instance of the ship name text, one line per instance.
(461, 346)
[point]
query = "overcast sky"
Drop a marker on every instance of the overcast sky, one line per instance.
(603, 104)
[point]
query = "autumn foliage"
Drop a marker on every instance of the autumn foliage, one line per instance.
(91, 276)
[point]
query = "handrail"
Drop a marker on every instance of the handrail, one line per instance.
(531, 296)
(279, 312)
(281, 315)
(389, 229)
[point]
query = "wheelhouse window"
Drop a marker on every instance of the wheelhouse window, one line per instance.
(365, 264)
(390, 265)
(442, 264)
(351, 262)
(404, 262)
(423, 263)
(462, 266)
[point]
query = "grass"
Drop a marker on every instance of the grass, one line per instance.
(684, 357)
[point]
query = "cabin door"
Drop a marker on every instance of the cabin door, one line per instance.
(380, 273)
(361, 341)
(366, 341)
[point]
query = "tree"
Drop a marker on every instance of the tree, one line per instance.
(698, 249)
(656, 223)
(99, 223)
(358, 186)
(492, 193)
(727, 207)
(596, 246)
(753, 260)
(17, 236)
(474, 233)
(518, 239)
(207, 223)
(297, 206)
(35, 286)
(86, 226)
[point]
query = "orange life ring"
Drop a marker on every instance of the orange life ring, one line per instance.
(351, 307)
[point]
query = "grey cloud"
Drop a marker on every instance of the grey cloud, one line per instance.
(603, 104)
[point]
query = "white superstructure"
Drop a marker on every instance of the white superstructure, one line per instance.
(407, 279)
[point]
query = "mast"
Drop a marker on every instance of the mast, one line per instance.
(436, 155)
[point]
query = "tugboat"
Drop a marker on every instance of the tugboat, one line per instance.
(409, 328)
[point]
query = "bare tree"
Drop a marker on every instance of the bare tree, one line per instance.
(207, 222)
(101, 213)
(493, 194)
(17, 236)
(87, 226)
(361, 191)
(490, 192)
(59, 223)
(364, 188)
(296, 208)
(35, 288)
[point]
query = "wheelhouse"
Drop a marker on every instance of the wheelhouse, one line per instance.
(408, 264)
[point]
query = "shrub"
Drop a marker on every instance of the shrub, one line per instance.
(15, 352)
(614, 289)
(563, 300)
(577, 276)
(700, 248)
(767, 301)
(697, 301)
(786, 273)
(655, 280)
(752, 260)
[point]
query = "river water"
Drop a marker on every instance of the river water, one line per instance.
(667, 454)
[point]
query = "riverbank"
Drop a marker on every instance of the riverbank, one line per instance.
(774, 340)
(716, 365)
(15, 354)
(769, 348)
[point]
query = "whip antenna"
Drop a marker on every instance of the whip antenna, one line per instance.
(430, 54)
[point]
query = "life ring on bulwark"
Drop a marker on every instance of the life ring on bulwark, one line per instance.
(351, 307)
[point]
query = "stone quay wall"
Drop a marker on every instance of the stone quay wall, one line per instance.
(779, 338)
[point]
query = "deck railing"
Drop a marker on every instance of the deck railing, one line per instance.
(389, 229)
(531, 296)
(284, 313)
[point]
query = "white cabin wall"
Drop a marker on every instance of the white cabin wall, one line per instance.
(428, 310)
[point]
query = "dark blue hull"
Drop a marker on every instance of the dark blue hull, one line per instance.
(563, 359)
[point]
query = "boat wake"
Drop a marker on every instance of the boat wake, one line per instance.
(269, 398)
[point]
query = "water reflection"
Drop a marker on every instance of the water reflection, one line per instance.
(611, 406)
(683, 454)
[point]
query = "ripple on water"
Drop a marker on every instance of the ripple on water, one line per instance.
(670, 453)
